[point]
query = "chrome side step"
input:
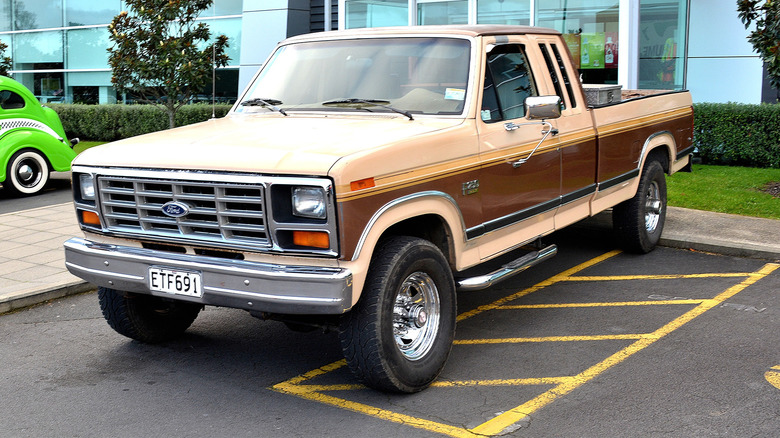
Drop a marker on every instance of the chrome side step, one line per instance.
(507, 271)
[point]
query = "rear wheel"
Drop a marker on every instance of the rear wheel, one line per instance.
(640, 220)
(27, 172)
(146, 318)
(399, 335)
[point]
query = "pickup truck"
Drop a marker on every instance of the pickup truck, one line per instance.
(359, 177)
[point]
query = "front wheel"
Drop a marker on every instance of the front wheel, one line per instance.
(640, 220)
(27, 172)
(399, 335)
(146, 318)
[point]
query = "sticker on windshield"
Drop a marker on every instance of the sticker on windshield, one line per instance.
(455, 94)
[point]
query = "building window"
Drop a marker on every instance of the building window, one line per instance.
(442, 11)
(662, 32)
(37, 14)
(516, 12)
(376, 13)
(86, 12)
(590, 29)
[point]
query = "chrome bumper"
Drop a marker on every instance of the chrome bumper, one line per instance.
(254, 286)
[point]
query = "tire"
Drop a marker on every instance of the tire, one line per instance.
(399, 335)
(639, 221)
(146, 318)
(27, 172)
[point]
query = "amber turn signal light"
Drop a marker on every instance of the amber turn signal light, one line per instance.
(90, 218)
(366, 183)
(315, 239)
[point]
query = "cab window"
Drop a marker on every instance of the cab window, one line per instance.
(10, 100)
(508, 82)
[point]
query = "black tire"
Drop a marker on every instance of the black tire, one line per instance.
(146, 318)
(639, 221)
(399, 335)
(27, 172)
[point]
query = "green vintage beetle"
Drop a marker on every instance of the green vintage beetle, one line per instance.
(32, 140)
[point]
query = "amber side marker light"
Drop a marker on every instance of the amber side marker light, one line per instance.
(90, 218)
(315, 239)
(361, 184)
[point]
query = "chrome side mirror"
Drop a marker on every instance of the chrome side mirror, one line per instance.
(542, 107)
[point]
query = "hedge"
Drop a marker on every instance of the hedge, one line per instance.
(113, 122)
(737, 134)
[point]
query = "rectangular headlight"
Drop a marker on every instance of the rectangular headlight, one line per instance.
(309, 202)
(86, 187)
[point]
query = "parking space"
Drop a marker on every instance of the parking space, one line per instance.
(529, 348)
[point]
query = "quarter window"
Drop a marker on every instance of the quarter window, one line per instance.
(10, 100)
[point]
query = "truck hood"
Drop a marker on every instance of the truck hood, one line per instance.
(296, 144)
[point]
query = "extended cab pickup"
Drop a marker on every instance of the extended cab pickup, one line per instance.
(357, 178)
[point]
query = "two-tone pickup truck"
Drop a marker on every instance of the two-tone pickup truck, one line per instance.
(358, 177)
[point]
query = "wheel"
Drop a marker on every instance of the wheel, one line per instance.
(639, 221)
(146, 318)
(27, 172)
(399, 335)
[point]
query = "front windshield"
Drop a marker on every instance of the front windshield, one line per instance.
(415, 75)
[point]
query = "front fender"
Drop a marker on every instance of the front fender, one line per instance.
(57, 153)
(407, 207)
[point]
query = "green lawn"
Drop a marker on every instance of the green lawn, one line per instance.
(725, 189)
(83, 145)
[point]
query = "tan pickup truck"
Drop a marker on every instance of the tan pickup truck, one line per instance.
(358, 177)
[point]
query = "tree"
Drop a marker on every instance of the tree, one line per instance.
(5, 61)
(160, 55)
(766, 36)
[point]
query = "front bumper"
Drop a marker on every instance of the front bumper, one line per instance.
(253, 286)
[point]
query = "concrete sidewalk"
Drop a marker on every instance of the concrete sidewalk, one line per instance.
(32, 260)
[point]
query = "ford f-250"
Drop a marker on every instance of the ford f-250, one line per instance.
(357, 178)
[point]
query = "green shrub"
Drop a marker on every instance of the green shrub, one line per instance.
(737, 134)
(113, 122)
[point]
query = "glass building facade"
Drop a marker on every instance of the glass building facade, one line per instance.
(59, 47)
(592, 28)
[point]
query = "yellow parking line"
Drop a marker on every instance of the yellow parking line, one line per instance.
(656, 277)
(501, 422)
(615, 304)
(550, 339)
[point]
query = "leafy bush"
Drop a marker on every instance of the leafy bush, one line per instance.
(737, 134)
(113, 122)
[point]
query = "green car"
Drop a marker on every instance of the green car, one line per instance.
(32, 140)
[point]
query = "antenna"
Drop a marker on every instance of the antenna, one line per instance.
(213, 80)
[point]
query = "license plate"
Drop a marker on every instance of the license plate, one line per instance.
(177, 282)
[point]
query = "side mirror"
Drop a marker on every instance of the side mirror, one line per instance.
(542, 107)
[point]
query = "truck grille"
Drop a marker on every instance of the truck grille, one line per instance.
(223, 214)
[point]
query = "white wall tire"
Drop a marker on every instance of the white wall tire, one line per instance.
(27, 172)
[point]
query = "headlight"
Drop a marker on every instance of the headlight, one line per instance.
(309, 202)
(86, 187)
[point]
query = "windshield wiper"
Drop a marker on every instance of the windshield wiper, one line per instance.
(265, 103)
(357, 103)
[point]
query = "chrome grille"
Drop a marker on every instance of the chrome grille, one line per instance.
(224, 214)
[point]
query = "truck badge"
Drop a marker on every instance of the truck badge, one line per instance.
(175, 209)
(471, 187)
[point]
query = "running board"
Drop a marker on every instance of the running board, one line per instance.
(507, 271)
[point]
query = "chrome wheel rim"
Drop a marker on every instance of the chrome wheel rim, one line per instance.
(416, 313)
(653, 207)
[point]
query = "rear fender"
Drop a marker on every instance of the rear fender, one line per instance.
(58, 154)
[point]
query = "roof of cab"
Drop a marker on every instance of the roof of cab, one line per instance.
(466, 30)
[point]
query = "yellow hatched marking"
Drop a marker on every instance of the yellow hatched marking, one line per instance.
(501, 422)
(563, 385)
(657, 277)
(615, 304)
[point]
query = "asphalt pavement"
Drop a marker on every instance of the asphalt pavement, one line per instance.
(32, 259)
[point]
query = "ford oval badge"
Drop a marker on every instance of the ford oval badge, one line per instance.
(175, 209)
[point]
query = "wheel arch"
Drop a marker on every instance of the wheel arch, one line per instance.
(434, 216)
(660, 147)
